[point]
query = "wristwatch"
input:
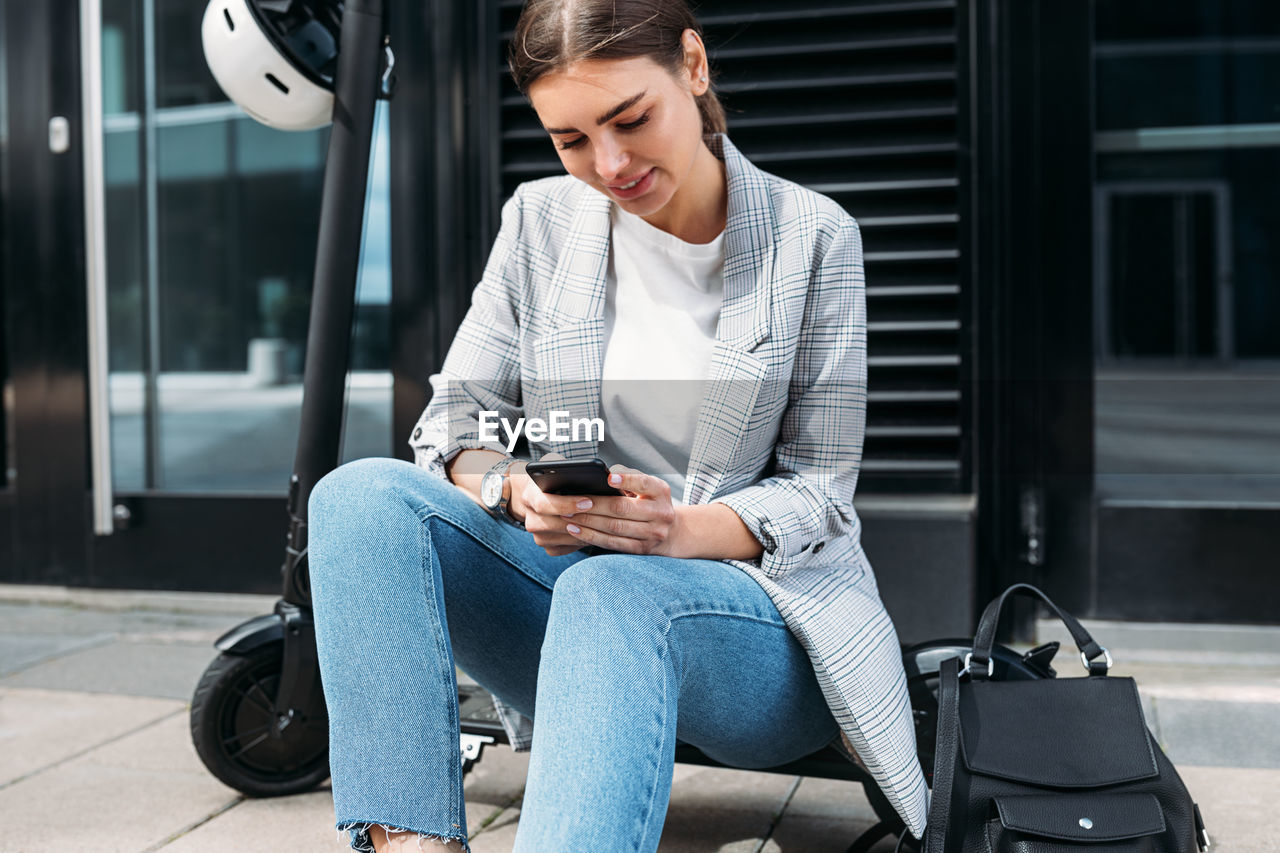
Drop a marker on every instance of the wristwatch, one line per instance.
(493, 492)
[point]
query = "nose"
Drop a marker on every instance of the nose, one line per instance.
(612, 160)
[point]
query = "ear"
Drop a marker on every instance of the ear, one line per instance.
(696, 67)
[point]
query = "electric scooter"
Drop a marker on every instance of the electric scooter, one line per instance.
(258, 718)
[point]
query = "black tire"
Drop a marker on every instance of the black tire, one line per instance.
(232, 723)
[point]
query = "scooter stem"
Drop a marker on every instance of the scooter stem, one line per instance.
(342, 206)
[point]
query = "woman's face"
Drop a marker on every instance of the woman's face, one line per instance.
(628, 128)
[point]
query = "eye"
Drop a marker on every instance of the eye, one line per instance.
(633, 125)
(572, 143)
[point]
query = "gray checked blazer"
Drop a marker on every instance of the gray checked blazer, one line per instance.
(779, 437)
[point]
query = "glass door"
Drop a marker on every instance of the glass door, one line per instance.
(210, 241)
(42, 290)
(1186, 308)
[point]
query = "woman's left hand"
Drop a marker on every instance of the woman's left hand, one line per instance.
(640, 521)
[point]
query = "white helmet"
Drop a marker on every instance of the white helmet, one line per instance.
(275, 58)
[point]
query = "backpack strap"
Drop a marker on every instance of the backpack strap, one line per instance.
(946, 755)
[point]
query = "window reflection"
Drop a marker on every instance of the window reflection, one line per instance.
(211, 236)
(1188, 170)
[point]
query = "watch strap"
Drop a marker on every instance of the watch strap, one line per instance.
(503, 509)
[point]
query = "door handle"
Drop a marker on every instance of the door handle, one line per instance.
(95, 259)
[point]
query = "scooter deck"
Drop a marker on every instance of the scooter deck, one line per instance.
(479, 718)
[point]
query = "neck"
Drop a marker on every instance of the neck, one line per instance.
(698, 211)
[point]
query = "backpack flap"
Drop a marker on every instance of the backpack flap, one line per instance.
(1057, 733)
(1080, 818)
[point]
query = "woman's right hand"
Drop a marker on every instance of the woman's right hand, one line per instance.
(543, 515)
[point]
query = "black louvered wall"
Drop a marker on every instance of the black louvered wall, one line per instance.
(856, 100)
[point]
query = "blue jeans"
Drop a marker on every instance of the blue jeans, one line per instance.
(615, 657)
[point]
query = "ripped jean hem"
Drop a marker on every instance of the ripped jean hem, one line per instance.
(362, 843)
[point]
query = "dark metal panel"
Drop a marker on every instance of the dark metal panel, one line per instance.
(1061, 212)
(1028, 226)
(195, 543)
(5, 450)
(1188, 564)
(925, 567)
(43, 284)
(444, 186)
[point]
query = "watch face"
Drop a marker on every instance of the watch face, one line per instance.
(491, 489)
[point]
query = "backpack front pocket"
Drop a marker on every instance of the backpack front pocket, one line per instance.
(1076, 823)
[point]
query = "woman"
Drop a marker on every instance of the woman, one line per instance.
(724, 599)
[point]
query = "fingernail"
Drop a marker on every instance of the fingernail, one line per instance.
(573, 528)
(566, 516)
(615, 479)
(584, 504)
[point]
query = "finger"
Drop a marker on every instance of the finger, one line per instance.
(623, 507)
(556, 538)
(623, 544)
(561, 505)
(631, 480)
(609, 526)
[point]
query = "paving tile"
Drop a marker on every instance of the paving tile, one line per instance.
(823, 814)
(20, 651)
(1238, 806)
(493, 790)
(306, 822)
(820, 835)
(495, 780)
(39, 728)
(297, 824)
(74, 620)
(500, 835)
(168, 670)
(716, 808)
(1221, 734)
(711, 809)
(233, 604)
(831, 798)
(127, 796)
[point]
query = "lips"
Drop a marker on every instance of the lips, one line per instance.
(632, 186)
(627, 184)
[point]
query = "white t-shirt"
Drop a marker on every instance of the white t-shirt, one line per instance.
(661, 311)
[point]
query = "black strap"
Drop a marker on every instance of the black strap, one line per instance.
(946, 754)
(1202, 837)
(985, 638)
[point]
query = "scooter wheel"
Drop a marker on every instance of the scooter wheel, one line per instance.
(238, 736)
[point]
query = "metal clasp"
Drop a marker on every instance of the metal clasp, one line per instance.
(1106, 654)
(991, 665)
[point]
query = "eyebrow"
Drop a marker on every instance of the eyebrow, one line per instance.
(612, 114)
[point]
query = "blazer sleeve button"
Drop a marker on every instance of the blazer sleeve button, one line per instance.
(417, 433)
(819, 547)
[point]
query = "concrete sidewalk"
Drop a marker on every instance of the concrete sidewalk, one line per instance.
(95, 752)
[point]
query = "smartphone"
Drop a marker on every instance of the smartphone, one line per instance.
(571, 477)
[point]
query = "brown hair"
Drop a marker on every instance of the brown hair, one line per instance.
(552, 34)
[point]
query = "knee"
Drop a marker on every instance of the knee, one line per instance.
(351, 486)
(367, 487)
(608, 591)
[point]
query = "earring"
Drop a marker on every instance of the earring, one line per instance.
(702, 79)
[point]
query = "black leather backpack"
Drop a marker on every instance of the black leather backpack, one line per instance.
(1051, 765)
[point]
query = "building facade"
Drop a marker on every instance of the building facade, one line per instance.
(1073, 283)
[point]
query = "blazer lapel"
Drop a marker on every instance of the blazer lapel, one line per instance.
(569, 352)
(736, 373)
